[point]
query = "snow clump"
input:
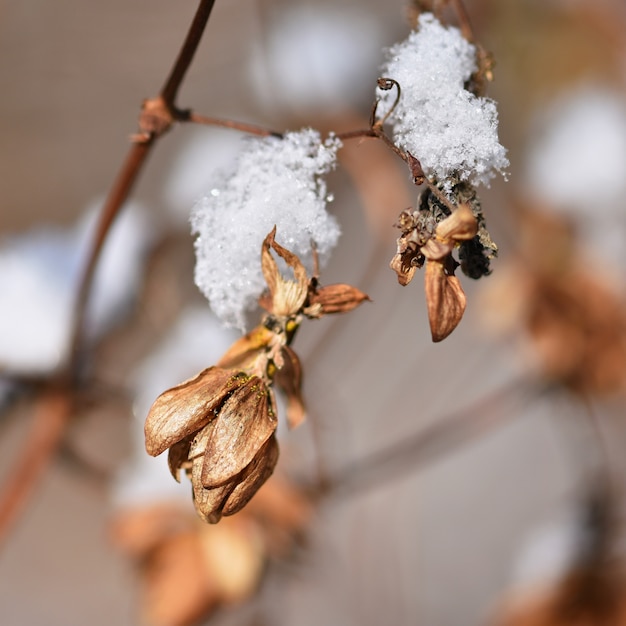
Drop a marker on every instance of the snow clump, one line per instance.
(277, 181)
(452, 132)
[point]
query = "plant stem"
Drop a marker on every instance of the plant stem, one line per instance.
(54, 406)
(52, 411)
(128, 176)
(169, 92)
(251, 129)
(464, 22)
(118, 194)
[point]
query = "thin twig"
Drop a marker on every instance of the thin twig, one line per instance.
(55, 406)
(464, 21)
(129, 174)
(169, 92)
(356, 134)
(117, 196)
(440, 195)
(251, 129)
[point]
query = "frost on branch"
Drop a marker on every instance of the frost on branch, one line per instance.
(452, 132)
(276, 182)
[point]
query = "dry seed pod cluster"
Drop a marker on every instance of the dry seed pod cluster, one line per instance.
(220, 425)
(430, 235)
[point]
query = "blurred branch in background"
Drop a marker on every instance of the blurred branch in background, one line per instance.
(391, 542)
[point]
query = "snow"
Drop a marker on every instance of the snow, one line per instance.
(452, 132)
(276, 182)
(39, 274)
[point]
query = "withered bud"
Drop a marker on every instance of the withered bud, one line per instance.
(231, 496)
(289, 298)
(337, 298)
(286, 296)
(216, 426)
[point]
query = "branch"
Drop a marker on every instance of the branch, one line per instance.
(169, 92)
(52, 412)
(435, 441)
(464, 22)
(120, 191)
(129, 174)
(252, 129)
(54, 406)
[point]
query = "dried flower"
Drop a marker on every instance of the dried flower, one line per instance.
(220, 426)
(424, 239)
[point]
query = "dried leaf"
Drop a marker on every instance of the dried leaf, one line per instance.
(445, 299)
(208, 502)
(138, 530)
(289, 379)
(404, 271)
(177, 590)
(232, 495)
(435, 250)
(184, 409)
(234, 558)
(287, 296)
(244, 424)
(268, 264)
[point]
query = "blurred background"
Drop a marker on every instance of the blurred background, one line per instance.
(522, 406)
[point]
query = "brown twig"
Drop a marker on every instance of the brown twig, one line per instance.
(169, 92)
(251, 129)
(130, 170)
(54, 406)
(464, 22)
(51, 415)
(117, 196)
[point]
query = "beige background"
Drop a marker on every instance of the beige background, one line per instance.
(433, 547)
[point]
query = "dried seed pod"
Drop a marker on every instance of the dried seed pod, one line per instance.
(231, 496)
(338, 298)
(186, 408)
(219, 426)
(245, 422)
(445, 299)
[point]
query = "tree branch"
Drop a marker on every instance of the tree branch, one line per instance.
(169, 92)
(52, 412)
(435, 441)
